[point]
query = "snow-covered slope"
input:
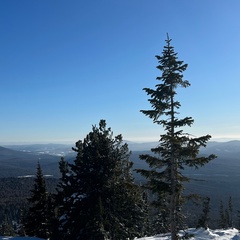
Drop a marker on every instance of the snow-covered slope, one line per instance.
(202, 234)
(199, 234)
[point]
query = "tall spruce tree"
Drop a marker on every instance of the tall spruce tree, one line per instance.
(36, 219)
(222, 217)
(100, 199)
(176, 149)
(230, 210)
(204, 218)
(226, 215)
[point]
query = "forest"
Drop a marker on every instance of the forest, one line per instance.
(97, 196)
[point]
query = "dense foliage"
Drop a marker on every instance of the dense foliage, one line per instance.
(97, 197)
(36, 219)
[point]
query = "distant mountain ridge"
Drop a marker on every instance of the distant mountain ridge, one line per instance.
(50, 148)
(15, 163)
(229, 146)
(19, 160)
(65, 149)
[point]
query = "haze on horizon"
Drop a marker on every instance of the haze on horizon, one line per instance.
(66, 65)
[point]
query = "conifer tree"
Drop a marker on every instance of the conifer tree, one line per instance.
(100, 199)
(62, 187)
(61, 203)
(230, 210)
(226, 218)
(222, 216)
(36, 220)
(204, 219)
(176, 149)
(226, 215)
(238, 220)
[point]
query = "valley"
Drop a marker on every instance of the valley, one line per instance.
(218, 180)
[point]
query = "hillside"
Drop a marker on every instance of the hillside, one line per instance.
(20, 163)
(218, 180)
(14, 193)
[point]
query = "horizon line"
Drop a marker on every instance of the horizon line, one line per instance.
(68, 142)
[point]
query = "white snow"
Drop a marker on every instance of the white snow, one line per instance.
(202, 234)
(199, 234)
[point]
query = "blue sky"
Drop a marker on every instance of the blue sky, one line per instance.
(64, 65)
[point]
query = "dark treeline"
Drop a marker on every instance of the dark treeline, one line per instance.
(15, 191)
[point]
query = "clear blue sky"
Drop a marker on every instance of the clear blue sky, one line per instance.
(64, 65)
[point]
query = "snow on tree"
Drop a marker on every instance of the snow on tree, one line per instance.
(100, 199)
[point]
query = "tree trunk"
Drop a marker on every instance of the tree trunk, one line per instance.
(173, 224)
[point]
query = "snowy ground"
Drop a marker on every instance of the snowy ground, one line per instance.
(199, 234)
(202, 234)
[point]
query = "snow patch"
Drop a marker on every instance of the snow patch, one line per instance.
(202, 234)
(199, 234)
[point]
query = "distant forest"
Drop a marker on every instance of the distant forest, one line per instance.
(15, 191)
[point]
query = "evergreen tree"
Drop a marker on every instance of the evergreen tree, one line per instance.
(230, 210)
(222, 217)
(176, 149)
(36, 220)
(63, 184)
(63, 189)
(204, 218)
(238, 220)
(226, 215)
(100, 199)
